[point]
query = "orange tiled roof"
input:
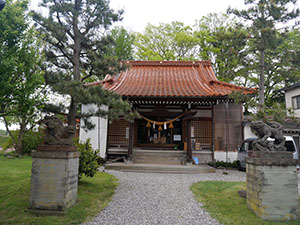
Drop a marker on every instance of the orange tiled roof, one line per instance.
(169, 79)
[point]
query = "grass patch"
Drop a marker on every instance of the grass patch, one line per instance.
(222, 201)
(93, 195)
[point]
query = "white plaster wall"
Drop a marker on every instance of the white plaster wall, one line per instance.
(221, 156)
(98, 135)
(288, 99)
(248, 132)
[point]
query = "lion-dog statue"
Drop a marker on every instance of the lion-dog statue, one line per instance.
(57, 133)
(265, 131)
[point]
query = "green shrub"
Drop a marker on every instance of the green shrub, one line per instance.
(31, 140)
(3, 141)
(89, 160)
(222, 164)
(8, 143)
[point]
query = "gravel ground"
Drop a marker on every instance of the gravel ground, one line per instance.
(164, 199)
(154, 198)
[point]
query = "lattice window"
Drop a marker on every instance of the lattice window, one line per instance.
(117, 133)
(202, 134)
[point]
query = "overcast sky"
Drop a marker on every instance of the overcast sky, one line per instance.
(138, 13)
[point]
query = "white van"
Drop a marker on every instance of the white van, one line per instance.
(248, 145)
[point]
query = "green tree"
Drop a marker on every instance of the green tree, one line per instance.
(173, 41)
(21, 79)
(124, 41)
(224, 41)
(13, 26)
(79, 47)
(282, 67)
(265, 16)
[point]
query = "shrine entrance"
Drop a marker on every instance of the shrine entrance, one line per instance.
(168, 135)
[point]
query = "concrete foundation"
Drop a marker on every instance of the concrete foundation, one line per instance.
(54, 178)
(272, 185)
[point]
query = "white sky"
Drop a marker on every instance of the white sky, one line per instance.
(138, 13)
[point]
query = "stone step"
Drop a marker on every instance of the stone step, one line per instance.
(160, 168)
(158, 156)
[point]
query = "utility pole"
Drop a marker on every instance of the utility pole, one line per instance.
(226, 133)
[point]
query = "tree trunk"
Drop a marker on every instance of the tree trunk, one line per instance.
(9, 132)
(72, 113)
(76, 66)
(261, 101)
(20, 142)
(77, 47)
(262, 80)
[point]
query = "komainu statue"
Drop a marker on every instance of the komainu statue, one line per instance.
(57, 133)
(265, 131)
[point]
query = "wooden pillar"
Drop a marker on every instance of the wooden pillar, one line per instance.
(189, 141)
(130, 141)
(213, 132)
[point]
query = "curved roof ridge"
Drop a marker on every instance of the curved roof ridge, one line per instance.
(116, 85)
(169, 63)
(232, 85)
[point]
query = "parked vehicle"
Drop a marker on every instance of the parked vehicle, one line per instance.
(248, 145)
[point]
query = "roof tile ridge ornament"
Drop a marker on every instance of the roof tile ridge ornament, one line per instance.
(108, 79)
(231, 85)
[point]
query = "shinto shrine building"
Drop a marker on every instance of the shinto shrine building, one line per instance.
(182, 107)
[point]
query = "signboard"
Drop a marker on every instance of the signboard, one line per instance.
(127, 133)
(177, 137)
(192, 131)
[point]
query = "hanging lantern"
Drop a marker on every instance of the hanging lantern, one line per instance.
(165, 126)
(160, 128)
(171, 126)
(148, 124)
(154, 125)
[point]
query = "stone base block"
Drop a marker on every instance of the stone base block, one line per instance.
(54, 179)
(272, 186)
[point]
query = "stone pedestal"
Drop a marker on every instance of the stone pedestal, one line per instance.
(272, 185)
(54, 178)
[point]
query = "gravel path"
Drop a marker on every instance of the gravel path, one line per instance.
(153, 198)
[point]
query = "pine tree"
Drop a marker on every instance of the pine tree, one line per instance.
(265, 17)
(79, 48)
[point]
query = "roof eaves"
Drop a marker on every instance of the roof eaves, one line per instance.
(291, 87)
(253, 90)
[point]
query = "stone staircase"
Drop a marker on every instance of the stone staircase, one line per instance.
(160, 168)
(169, 157)
(158, 161)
